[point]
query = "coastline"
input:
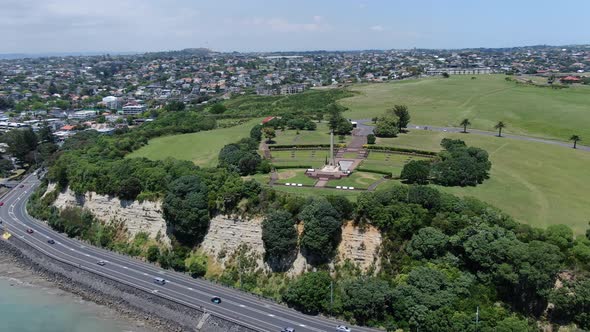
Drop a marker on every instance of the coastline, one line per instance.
(19, 276)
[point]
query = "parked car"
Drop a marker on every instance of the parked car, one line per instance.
(101, 263)
(51, 241)
(216, 300)
(342, 328)
(30, 231)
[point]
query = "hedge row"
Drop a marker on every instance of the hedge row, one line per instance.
(304, 146)
(396, 149)
(291, 166)
(369, 170)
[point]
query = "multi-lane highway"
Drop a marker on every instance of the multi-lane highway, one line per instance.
(249, 310)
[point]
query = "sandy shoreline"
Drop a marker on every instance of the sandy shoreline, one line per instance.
(21, 277)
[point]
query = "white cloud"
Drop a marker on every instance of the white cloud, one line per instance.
(279, 24)
(378, 28)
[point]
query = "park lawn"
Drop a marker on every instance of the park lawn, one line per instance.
(538, 184)
(295, 175)
(527, 110)
(311, 158)
(388, 162)
(359, 180)
(319, 136)
(202, 148)
(307, 191)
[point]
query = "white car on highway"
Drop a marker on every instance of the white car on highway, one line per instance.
(342, 328)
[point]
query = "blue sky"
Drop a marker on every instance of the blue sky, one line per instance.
(256, 25)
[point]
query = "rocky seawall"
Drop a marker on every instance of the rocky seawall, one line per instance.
(157, 312)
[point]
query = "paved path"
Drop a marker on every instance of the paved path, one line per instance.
(369, 129)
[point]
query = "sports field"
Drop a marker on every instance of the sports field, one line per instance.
(527, 110)
(535, 183)
(388, 162)
(295, 158)
(202, 148)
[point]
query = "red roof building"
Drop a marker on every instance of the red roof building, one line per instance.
(267, 119)
(571, 79)
(67, 128)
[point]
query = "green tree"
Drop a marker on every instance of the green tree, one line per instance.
(465, 123)
(217, 108)
(575, 139)
(153, 253)
(513, 324)
(321, 230)
(269, 134)
(310, 293)
(561, 236)
(416, 171)
(185, 209)
(403, 116)
(279, 237)
(428, 243)
(256, 132)
(386, 127)
(500, 125)
(366, 299)
(175, 106)
(371, 139)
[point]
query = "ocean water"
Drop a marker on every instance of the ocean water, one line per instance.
(36, 309)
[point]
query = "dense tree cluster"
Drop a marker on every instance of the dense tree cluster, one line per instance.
(444, 256)
(457, 165)
(393, 122)
(241, 157)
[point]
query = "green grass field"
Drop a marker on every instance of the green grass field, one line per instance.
(319, 136)
(202, 148)
(313, 158)
(388, 162)
(486, 100)
(295, 175)
(358, 180)
(535, 183)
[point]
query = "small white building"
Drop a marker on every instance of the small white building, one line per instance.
(132, 109)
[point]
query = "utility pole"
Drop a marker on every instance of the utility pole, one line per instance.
(477, 319)
(240, 270)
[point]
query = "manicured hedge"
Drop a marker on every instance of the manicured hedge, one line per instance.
(304, 146)
(369, 170)
(396, 149)
(291, 166)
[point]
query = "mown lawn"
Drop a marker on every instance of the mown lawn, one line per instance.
(536, 183)
(319, 136)
(528, 110)
(294, 175)
(388, 162)
(202, 148)
(312, 158)
(358, 180)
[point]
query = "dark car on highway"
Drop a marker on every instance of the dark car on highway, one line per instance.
(30, 231)
(1, 203)
(101, 263)
(216, 300)
(51, 241)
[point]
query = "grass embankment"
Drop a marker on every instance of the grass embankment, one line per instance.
(535, 183)
(527, 110)
(202, 148)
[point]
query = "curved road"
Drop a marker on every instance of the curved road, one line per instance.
(249, 310)
(365, 130)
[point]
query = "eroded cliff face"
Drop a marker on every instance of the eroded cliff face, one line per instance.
(136, 216)
(226, 234)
